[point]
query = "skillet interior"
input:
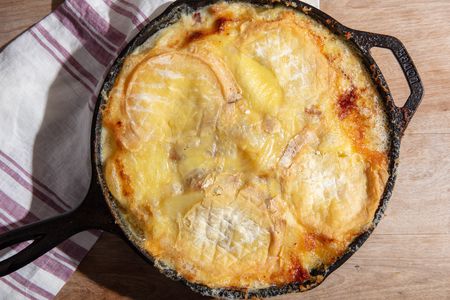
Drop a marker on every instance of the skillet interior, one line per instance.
(170, 16)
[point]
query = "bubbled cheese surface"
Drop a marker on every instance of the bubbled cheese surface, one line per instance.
(247, 144)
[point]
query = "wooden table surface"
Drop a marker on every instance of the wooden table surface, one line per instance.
(408, 255)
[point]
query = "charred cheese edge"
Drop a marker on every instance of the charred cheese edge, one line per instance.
(247, 144)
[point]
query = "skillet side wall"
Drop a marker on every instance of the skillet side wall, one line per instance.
(170, 16)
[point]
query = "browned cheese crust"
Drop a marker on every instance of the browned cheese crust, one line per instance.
(248, 145)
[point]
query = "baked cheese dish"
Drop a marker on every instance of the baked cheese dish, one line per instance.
(246, 144)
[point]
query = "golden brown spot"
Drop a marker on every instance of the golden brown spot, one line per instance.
(347, 103)
(375, 158)
(270, 125)
(196, 35)
(314, 240)
(214, 9)
(219, 26)
(195, 178)
(300, 274)
(127, 189)
(318, 39)
(310, 242)
(297, 272)
(173, 154)
(313, 110)
(197, 17)
(323, 238)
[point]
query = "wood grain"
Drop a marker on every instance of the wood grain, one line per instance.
(408, 256)
(17, 15)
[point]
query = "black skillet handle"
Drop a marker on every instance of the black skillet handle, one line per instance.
(366, 41)
(47, 234)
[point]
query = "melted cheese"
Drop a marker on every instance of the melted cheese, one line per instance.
(247, 144)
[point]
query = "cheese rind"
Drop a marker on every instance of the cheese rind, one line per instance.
(248, 144)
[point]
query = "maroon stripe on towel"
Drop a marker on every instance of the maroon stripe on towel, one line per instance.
(96, 21)
(125, 13)
(64, 66)
(67, 8)
(38, 194)
(70, 59)
(135, 7)
(34, 179)
(27, 284)
(89, 43)
(17, 289)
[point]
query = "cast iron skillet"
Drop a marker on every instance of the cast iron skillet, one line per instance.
(99, 210)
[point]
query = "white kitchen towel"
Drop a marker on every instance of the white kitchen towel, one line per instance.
(49, 80)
